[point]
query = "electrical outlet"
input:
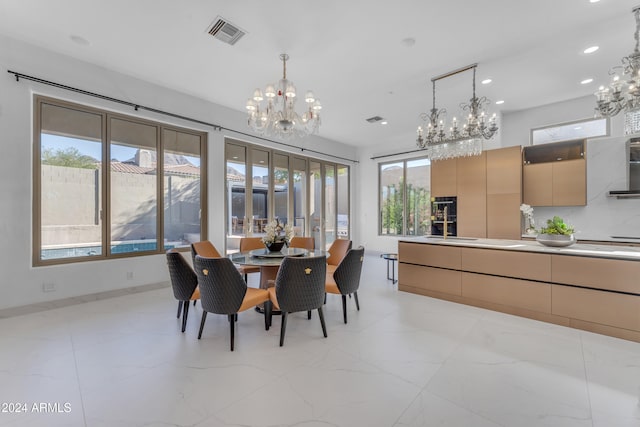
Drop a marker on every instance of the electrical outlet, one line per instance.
(129, 275)
(48, 287)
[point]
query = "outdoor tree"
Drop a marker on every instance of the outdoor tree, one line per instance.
(70, 157)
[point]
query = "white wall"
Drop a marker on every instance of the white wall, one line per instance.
(20, 283)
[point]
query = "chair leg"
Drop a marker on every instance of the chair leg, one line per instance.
(204, 318)
(325, 298)
(232, 327)
(308, 314)
(267, 314)
(344, 308)
(355, 296)
(179, 309)
(194, 302)
(185, 313)
(324, 327)
(235, 317)
(283, 327)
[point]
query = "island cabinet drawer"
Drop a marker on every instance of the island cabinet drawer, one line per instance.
(429, 278)
(522, 265)
(606, 308)
(598, 273)
(525, 294)
(431, 255)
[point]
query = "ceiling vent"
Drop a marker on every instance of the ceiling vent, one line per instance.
(224, 31)
(375, 119)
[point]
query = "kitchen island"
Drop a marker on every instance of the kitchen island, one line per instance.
(585, 286)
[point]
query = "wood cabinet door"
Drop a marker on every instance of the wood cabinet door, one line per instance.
(443, 178)
(504, 170)
(569, 183)
(472, 196)
(537, 180)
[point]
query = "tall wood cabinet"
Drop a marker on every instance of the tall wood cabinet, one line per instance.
(504, 193)
(471, 173)
(489, 191)
(443, 178)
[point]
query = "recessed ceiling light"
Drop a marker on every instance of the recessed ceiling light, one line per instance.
(486, 81)
(586, 81)
(594, 1)
(591, 49)
(500, 102)
(577, 128)
(384, 122)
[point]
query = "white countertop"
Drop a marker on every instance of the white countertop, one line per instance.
(578, 249)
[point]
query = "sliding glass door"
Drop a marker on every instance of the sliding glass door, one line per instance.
(263, 185)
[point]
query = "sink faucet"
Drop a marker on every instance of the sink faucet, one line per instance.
(444, 232)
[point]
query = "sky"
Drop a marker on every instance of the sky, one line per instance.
(120, 153)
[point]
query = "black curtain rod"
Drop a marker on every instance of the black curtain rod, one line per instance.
(166, 113)
(396, 154)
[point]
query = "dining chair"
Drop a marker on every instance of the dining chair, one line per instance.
(205, 249)
(184, 283)
(223, 291)
(337, 252)
(249, 244)
(299, 287)
(346, 279)
(307, 243)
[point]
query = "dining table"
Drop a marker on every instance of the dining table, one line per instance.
(269, 262)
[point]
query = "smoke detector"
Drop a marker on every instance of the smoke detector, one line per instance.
(225, 31)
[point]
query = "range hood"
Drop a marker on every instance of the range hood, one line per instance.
(633, 172)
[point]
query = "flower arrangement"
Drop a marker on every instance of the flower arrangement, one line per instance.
(527, 212)
(557, 226)
(276, 232)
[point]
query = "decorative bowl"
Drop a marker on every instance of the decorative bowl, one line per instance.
(275, 246)
(556, 240)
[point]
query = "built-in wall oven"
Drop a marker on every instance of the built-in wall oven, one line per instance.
(444, 216)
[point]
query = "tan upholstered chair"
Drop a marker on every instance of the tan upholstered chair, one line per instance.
(249, 244)
(223, 291)
(307, 243)
(337, 252)
(184, 283)
(346, 279)
(204, 249)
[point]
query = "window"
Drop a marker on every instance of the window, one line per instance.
(582, 129)
(404, 194)
(310, 195)
(109, 185)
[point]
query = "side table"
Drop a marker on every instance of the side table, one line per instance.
(391, 259)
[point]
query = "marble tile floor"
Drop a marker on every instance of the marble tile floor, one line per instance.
(403, 360)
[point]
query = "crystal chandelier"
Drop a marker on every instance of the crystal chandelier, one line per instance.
(278, 117)
(459, 142)
(613, 99)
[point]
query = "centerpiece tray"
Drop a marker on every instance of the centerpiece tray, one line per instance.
(265, 253)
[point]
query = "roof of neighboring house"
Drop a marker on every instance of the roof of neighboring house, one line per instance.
(129, 168)
(186, 170)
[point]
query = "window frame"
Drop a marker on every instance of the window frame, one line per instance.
(105, 173)
(405, 200)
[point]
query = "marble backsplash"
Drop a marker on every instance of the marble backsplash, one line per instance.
(604, 216)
